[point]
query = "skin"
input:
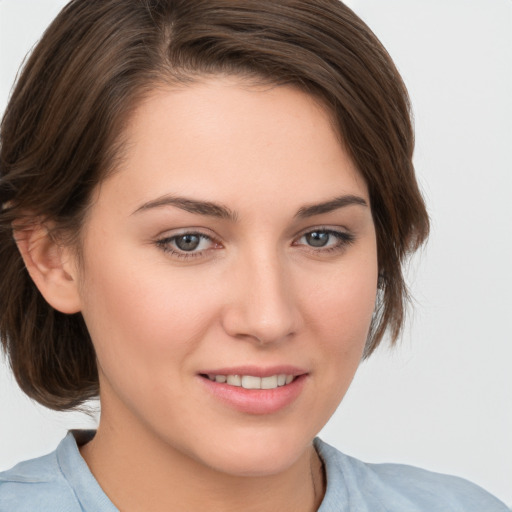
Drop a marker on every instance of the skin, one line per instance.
(255, 292)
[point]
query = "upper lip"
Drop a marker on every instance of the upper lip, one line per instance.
(256, 371)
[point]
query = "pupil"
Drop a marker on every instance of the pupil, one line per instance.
(187, 242)
(317, 238)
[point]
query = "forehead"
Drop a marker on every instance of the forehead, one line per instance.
(232, 140)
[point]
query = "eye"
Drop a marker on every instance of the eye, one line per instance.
(187, 245)
(325, 239)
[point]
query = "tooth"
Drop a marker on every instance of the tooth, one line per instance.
(281, 380)
(234, 380)
(250, 382)
(220, 378)
(211, 377)
(289, 378)
(269, 382)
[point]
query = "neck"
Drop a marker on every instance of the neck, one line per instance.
(151, 475)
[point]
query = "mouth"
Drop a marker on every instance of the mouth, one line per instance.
(255, 390)
(252, 381)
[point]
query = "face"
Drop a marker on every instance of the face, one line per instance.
(229, 275)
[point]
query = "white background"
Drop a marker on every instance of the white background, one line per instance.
(443, 399)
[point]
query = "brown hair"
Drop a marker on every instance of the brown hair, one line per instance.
(60, 131)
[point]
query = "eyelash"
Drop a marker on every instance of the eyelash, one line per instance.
(343, 240)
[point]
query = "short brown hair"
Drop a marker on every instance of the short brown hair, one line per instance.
(60, 131)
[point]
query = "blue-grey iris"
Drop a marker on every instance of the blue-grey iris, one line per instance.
(187, 242)
(317, 238)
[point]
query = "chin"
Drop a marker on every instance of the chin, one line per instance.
(256, 455)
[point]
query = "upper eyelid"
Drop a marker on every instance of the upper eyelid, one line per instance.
(324, 228)
(173, 233)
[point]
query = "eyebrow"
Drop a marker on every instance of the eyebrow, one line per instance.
(329, 206)
(223, 212)
(191, 205)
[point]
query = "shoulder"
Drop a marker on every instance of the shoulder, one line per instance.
(37, 484)
(57, 482)
(398, 487)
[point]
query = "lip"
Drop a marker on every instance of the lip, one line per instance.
(255, 401)
(256, 371)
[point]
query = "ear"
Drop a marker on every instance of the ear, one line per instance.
(51, 266)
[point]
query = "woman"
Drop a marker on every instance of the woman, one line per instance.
(205, 210)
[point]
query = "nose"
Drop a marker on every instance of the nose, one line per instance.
(263, 306)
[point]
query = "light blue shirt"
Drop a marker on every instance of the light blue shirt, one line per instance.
(62, 482)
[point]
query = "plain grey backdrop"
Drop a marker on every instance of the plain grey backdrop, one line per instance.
(443, 399)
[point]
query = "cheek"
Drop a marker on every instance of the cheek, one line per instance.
(340, 309)
(342, 303)
(345, 318)
(143, 313)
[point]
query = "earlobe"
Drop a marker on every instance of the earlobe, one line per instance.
(50, 265)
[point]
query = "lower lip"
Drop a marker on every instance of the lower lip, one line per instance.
(256, 401)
